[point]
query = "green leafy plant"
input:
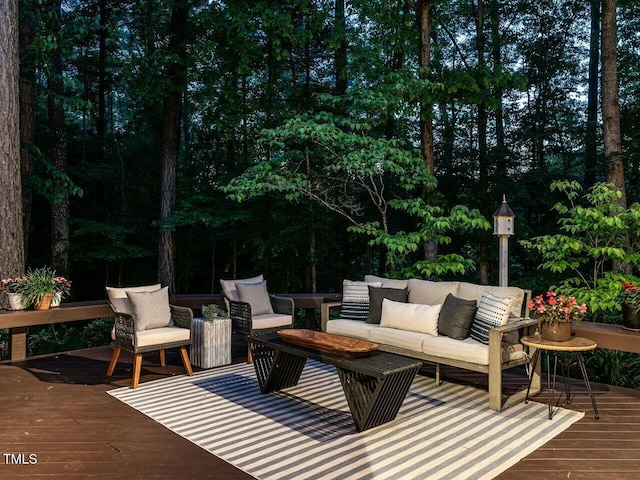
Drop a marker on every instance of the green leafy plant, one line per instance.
(211, 312)
(37, 285)
(595, 235)
(12, 284)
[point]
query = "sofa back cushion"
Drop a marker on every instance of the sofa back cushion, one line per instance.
(355, 299)
(431, 293)
(471, 291)
(387, 282)
(412, 317)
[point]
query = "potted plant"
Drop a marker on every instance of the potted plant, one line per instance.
(555, 314)
(213, 311)
(61, 288)
(630, 306)
(37, 288)
(12, 288)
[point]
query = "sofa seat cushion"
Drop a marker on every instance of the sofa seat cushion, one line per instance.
(468, 350)
(351, 328)
(431, 293)
(159, 336)
(398, 338)
(271, 320)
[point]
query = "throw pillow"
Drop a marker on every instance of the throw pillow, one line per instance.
(150, 309)
(492, 312)
(413, 317)
(377, 294)
(456, 317)
(257, 296)
(355, 299)
(229, 286)
(118, 296)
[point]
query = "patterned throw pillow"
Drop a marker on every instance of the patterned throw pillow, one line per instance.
(355, 299)
(492, 312)
(150, 309)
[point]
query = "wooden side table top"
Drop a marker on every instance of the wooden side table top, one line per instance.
(575, 344)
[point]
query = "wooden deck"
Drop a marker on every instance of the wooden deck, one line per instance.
(56, 413)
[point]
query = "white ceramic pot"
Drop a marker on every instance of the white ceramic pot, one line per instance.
(16, 301)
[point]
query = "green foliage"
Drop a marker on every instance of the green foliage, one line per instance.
(596, 236)
(614, 367)
(210, 312)
(37, 285)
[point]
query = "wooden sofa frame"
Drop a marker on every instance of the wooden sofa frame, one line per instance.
(495, 367)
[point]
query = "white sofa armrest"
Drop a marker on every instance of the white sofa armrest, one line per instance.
(325, 309)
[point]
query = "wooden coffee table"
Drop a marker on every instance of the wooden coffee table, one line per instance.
(375, 386)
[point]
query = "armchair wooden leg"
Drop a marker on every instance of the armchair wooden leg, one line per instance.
(137, 367)
(114, 360)
(185, 360)
(249, 355)
(162, 358)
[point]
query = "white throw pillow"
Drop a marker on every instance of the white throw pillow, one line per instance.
(229, 286)
(118, 296)
(413, 317)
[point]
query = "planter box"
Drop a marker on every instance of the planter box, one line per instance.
(211, 342)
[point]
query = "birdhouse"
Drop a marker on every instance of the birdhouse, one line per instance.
(504, 220)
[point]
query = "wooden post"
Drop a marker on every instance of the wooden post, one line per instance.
(18, 343)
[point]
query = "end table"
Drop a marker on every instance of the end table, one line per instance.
(211, 342)
(576, 345)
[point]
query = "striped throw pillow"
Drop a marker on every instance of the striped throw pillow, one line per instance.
(492, 312)
(355, 299)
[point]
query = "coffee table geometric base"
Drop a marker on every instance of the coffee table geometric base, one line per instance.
(374, 387)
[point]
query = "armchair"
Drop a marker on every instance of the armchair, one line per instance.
(145, 322)
(252, 309)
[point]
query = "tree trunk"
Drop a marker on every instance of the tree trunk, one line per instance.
(610, 101)
(57, 129)
(27, 112)
(101, 114)
(11, 238)
(172, 106)
(341, 51)
(426, 109)
(591, 137)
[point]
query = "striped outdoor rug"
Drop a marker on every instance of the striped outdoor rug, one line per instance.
(306, 432)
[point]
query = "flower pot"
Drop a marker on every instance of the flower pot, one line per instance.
(558, 332)
(16, 301)
(630, 317)
(56, 299)
(45, 303)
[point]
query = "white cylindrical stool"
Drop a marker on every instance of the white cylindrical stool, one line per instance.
(211, 342)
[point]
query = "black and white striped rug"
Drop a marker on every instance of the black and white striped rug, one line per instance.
(306, 432)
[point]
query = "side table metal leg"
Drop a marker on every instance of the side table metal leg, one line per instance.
(588, 384)
(551, 384)
(534, 363)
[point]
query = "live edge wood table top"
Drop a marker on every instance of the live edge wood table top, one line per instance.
(375, 386)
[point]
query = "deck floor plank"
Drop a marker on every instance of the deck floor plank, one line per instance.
(56, 407)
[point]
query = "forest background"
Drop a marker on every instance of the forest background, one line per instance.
(314, 140)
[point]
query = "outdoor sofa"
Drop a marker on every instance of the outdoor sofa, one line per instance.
(452, 323)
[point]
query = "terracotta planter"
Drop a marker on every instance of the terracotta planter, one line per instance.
(45, 303)
(16, 301)
(630, 317)
(558, 332)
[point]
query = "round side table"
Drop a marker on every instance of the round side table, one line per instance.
(576, 345)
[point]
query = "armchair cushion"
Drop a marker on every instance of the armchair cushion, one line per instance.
(229, 286)
(163, 335)
(150, 309)
(118, 296)
(257, 296)
(273, 320)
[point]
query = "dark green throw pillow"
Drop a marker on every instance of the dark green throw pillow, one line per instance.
(377, 294)
(456, 317)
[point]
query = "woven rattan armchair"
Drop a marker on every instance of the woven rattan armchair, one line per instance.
(129, 338)
(243, 322)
